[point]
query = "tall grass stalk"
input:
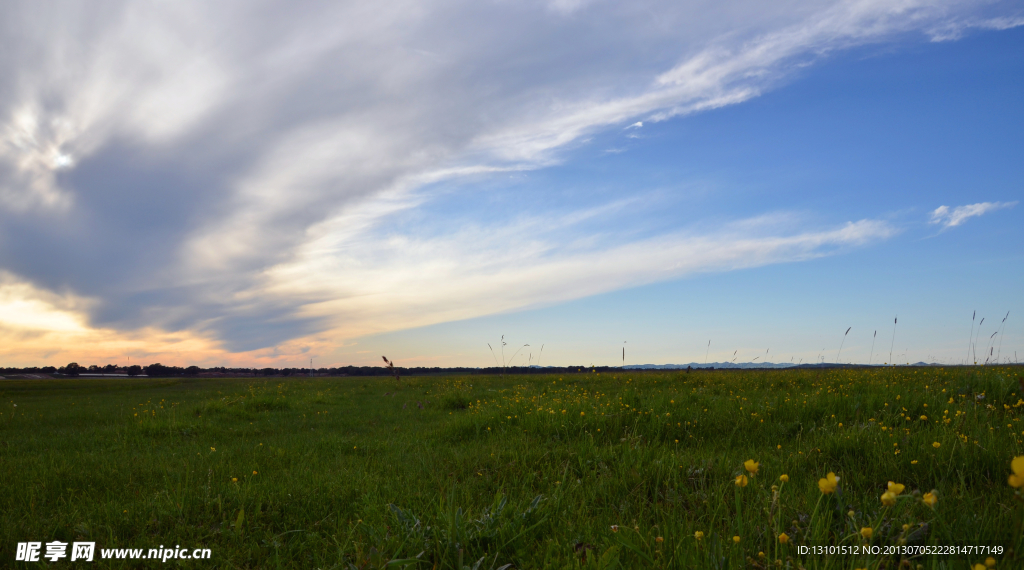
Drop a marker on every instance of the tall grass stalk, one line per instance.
(496, 363)
(1002, 330)
(504, 363)
(893, 339)
(841, 344)
(974, 345)
(970, 339)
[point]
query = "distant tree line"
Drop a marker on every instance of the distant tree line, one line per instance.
(157, 370)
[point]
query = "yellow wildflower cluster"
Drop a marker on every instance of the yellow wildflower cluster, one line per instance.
(889, 496)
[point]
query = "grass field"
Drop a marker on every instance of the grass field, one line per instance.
(583, 470)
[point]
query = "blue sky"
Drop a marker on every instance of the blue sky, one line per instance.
(886, 132)
(260, 184)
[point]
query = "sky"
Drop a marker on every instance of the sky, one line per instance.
(269, 183)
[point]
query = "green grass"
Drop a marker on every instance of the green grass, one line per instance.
(581, 470)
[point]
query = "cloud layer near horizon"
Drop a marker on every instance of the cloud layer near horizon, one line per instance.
(230, 171)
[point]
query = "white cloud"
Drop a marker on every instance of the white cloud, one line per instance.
(567, 6)
(34, 149)
(955, 29)
(727, 71)
(376, 284)
(147, 71)
(949, 218)
(27, 308)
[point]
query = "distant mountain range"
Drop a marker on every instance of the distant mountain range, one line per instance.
(708, 365)
(748, 365)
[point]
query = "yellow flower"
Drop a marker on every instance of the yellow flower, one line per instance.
(895, 488)
(736, 539)
(888, 498)
(829, 483)
(866, 532)
(254, 473)
(784, 478)
(1017, 479)
(741, 481)
(783, 538)
(924, 418)
(698, 535)
(840, 424)
(751, 466)
(930, 499)
(978, 567)
(234, 479)
(936, 445)
(914, 462)
(990, 562)
(659, 539)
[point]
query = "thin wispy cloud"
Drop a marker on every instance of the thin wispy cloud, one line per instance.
(954, 30)
(404, 280)
(950, 217)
